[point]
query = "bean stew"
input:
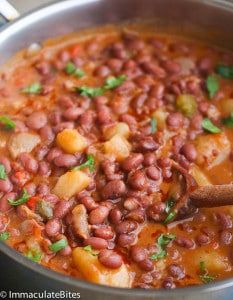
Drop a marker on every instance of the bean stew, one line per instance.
(102, 136)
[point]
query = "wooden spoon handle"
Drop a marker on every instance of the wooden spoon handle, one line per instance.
(212, 195)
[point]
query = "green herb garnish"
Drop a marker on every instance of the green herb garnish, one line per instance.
(59, 245)
(209, 126)
(212, 85)
(2, 172)
(71, 69)
(113, 82)
(24, 198)
(90, 163)
(225, 71)
(34, 88)
(7, 122)
(110, 83)
(153, 124)
(35, 256)
(4, 236)
(228, 121)
(205, 276)
(162, 242)
(89, 249)
(169, 204)
(170, 217)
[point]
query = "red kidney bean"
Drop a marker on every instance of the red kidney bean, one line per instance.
(114, 189)
(126, 227)
(98, 215)
(29, 163)
(168, 283)
(202, 239)
(110, 169)
(137, 215)
(176, 271)
(124, 240)
(224, 220)
(31, 188)
(53, 227)
(115, 64)
(171, 67)
(153, 69)
(4, 204)
(44, 168)
(156, 211)
(149, 159)
(96, 243)
(105, 233)
(6, 162)
(110, 259)
(225, 237)
(53, 153)
(43, 67)
(43, 189)
(102, 71)
(153, 173)
(132, 162)
(51, 198)
(115, 216)
(175, 120)
(130, 120)
(146, 265)
(36, 120)
(88, 202)
(65, 160)
(104, 115)
(72, 113)
(164, 162)
(131, 204)
(208, 231)
(66, 251)
(138, 253)
(148, 144)
(126, 87)
(184, 242)
(5, 186)
(47, 134)
(189, 151)
(137, 180)
(63, 125)
(62, 208)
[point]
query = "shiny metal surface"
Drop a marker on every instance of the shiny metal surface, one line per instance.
(195, 17)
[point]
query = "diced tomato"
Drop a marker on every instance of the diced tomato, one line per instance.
(31, 203)
(75, 51)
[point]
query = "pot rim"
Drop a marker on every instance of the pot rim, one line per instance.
(5, 32)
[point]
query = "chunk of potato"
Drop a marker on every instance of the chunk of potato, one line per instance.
(118, 147)
(71, 141)
(160, 115)
(120, 128)
(79, 221)
(214, 261)
(22, 142)
(212, 149)
(226, 106)
(70, 183)
(94, 271)
(199, 176)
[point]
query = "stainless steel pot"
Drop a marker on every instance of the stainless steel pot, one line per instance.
(206, 19)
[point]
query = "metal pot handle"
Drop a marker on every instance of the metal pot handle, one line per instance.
(7, 12)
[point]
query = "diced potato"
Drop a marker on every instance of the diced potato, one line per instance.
(199, 176)
(160, 115)
(22, 142)
(118, 147)
(71, 141)
(94, 271)
(79, 221)
(120, 128)
(226, 106)
(186, 104)
(212, 149)
(70, 183)
(214, 261)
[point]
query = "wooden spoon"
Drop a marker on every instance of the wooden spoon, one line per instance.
(212, 195)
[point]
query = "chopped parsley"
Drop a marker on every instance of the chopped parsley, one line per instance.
(153, 124)
(90, 163)
(204, 275)
(4, 236)
(162, 241)
(170, 214)
(225, 71)
(59, 245)
(24, 198)
(228, 121)
(212, 85)
(34, 88)
(2, 172)
(113, 82)
(71, 69)
(35, 256)
(7, 122)
(209, 126)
